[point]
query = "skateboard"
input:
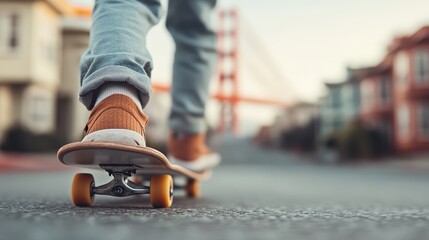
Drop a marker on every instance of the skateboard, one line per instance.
(130, 166)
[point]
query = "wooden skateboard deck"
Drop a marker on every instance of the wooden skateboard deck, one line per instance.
(148, 161)
(123, 161)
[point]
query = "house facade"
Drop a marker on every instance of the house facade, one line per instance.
(410, 63)
(393, 96)
(30, 43)
(41, 43)
(299, 115)
(340, 106)
(338, 109)
(71, 115)
(376, 108)
(40, 47)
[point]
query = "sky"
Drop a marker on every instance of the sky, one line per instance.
(308, 42)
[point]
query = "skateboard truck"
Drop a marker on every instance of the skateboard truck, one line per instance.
(120, 186)
(135, 170)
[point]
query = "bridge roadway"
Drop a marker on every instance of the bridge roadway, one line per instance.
(254, 194)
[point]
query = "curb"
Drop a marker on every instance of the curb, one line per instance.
(29, 163)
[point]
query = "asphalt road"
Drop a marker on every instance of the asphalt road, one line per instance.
(254, 194)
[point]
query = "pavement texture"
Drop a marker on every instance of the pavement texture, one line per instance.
(255, 194)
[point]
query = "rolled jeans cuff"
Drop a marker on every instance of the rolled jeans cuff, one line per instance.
(188, 124)
(141, 82)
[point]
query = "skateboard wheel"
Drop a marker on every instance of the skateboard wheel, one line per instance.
(161, 191)
(193, 188)
(81, 190)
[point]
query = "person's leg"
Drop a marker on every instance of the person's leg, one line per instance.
(116, 70)
(117, 50)
(189, 22)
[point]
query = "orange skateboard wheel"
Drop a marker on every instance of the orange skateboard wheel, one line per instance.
(81, 190)
(161, 191)
(193, 188)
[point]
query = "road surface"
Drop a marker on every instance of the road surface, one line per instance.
(254, 194)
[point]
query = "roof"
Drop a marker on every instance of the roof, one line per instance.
(401, 42)
(301, 105)
(82, 12)
(398, 43)
(380, 69)
(352, 76)
(63, 7)
(76, 23)
(334, 84)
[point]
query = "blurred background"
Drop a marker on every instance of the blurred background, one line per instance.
(343, 81)
(320, 109)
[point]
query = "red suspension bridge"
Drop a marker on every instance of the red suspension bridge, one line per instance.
(228, 84)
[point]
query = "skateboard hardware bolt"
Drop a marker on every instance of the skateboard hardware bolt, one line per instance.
(118, 190)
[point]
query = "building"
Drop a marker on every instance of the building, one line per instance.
(40, 47)
(395, 93)
(340, 106)
(71, 115)
(409, 56)
(41, 43)
(298, 116)
(376, 109)
(337, 110)
(30, 50)
(391, 97)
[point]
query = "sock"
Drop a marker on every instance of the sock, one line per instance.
(108, 89)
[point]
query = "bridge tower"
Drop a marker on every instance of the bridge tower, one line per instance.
(227, 47)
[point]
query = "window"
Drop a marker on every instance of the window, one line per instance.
(337, 124)
(403, 120)
(367, 93)
(385, 90)
(422, 67)
(9, 25)
(48, 41)
(356, 94)
(39, 110)
(336, 97)
(402, 66)
(423, 118)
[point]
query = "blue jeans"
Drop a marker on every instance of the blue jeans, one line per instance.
(117, 53)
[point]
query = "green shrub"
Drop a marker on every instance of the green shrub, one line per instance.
(358, 141)
(301, 138)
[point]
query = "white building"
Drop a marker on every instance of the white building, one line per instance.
(39, 63)
(30, 54)
(41, 43)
